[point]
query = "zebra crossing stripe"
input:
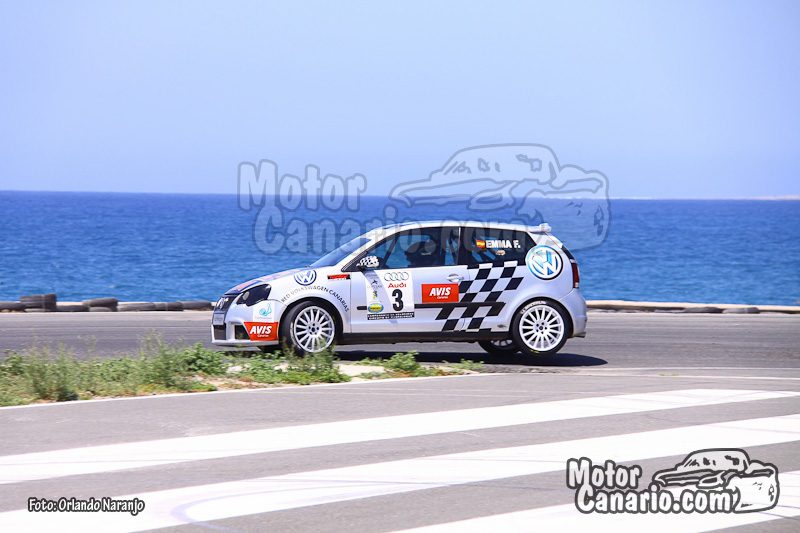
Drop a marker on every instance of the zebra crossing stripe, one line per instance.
(276, 493)
(568, 518)
(114, 457)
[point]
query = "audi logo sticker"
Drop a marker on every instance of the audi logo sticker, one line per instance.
(395, 276)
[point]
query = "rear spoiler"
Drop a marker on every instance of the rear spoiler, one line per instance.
(544, 227)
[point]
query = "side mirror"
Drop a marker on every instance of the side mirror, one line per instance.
(368, 262)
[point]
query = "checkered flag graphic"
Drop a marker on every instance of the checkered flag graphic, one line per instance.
(484, 292)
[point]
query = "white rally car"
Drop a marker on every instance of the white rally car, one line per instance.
(509, 287)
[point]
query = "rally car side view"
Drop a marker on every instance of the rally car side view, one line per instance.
(508, 287)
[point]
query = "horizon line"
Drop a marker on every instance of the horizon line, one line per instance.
(786, 197)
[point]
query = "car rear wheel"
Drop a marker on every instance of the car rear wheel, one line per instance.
(308, 328)
(499, 346)
(540, 328)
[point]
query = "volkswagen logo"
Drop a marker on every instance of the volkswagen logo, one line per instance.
(396, 276)
(307, 277)
(544, 262)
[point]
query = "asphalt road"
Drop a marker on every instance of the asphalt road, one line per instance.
(482, 452)
(614, 340)
(389, 455)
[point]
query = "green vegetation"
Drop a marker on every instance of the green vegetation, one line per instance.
(406, 365)
(43, 373)
(466, 364)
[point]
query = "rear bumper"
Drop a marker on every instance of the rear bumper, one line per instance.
(575, 305)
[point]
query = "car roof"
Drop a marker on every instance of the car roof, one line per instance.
(384, 231)
(541, 228)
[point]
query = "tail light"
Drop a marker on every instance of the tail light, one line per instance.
(576, 276)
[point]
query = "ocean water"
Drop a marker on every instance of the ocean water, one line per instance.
(163, 247)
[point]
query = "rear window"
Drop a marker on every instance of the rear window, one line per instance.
(493, 245)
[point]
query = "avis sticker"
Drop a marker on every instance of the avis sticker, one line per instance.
(390, 294)
(439, 292)
(259, 331)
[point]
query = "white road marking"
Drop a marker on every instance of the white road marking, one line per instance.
(114, 457)
(686, 376)
(568, 518)
(274, 493)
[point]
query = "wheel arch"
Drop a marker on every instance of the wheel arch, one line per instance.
(322, 302)
(570, 321)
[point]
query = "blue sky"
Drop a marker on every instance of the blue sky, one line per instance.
(668, 99)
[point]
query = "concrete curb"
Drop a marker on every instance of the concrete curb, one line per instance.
(685, 307)
(105, 305)
(603, 305)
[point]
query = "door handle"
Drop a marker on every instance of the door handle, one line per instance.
(454, 277)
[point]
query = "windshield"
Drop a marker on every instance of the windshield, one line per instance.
(334, 257)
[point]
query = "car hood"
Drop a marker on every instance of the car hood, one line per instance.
(263, 279)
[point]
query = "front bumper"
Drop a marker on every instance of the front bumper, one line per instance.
(233, 325)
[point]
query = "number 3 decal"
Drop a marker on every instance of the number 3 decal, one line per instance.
(398, 300)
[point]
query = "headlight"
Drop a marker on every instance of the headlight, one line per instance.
(254, 295)
(224, 302)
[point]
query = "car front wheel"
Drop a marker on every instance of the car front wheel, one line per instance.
(540, 328)
(308, 328)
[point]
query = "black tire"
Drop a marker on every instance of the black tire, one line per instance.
(706, 309)
(499, 346)
(137, 306)
(168, 306)
(197, 305)
(39, 301)
(300, 327)
(12, 306)
(72, 308)
(541, 328)
(102, 302)
(101, 310)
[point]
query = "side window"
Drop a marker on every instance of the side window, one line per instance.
(492, 245)
(427, 247)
